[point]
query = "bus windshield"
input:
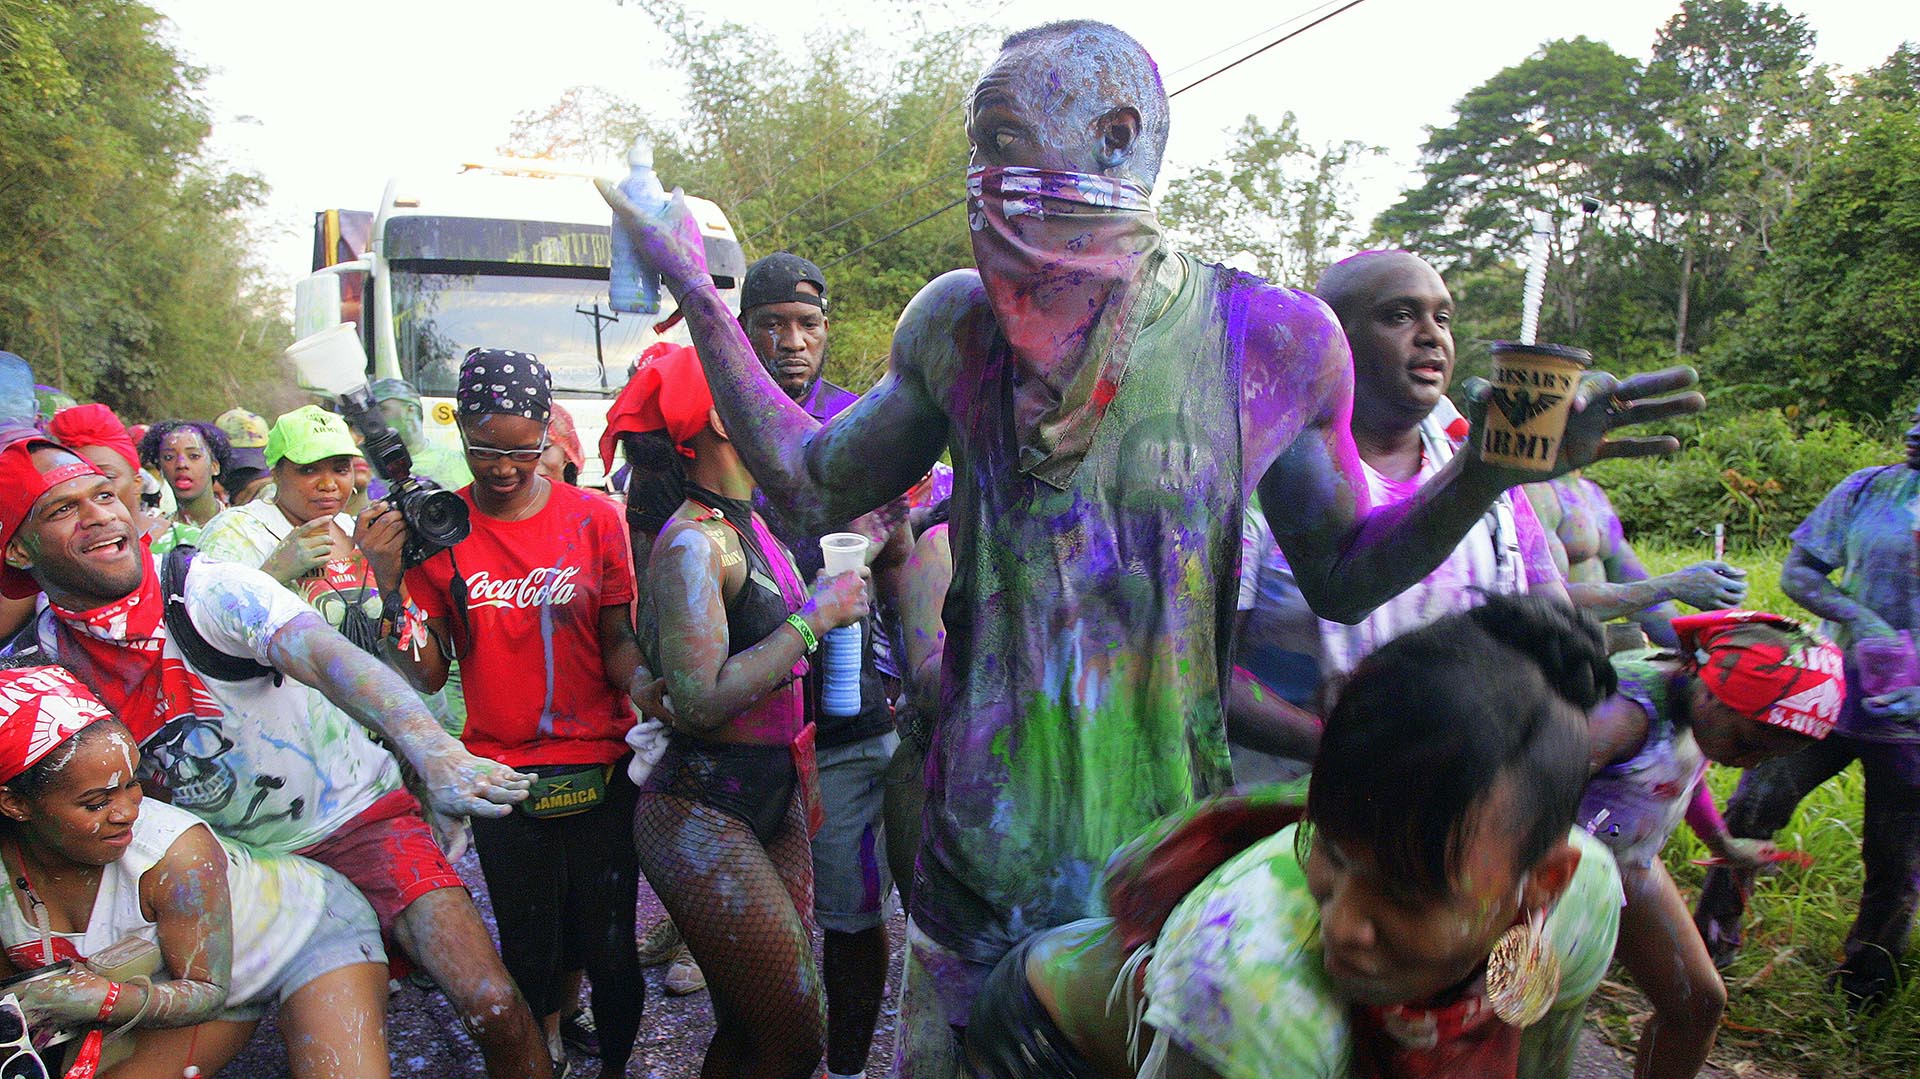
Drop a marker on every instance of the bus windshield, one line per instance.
(437, 317)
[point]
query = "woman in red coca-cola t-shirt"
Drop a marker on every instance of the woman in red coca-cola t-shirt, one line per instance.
(536, 603)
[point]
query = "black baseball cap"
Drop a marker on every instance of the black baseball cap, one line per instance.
(777, 279)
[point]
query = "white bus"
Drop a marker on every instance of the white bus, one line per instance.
(511, 254)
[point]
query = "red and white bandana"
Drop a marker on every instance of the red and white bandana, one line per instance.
(40, 708)
(1798, 686)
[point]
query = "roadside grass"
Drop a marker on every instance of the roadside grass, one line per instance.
(1780, 1018)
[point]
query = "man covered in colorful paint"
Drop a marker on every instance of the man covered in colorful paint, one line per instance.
(1109, 404)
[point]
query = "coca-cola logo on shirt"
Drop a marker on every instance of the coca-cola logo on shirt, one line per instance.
(544, 586)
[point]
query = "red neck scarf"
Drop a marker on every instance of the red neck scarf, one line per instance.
(1410, 1042)
(116, 650)
(1065, 258)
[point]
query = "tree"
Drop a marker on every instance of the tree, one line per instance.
(1731, 97)
(1837, 323)
(831, 155)
(1273, 197)
(123, 270)
(1533, 139)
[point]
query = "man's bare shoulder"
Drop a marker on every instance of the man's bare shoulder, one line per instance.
(946, 322)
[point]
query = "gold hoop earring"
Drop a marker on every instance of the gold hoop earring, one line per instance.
(1523, 973)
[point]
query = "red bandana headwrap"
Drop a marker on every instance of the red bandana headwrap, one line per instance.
(21, 485)
(93, 425)
(1796, 684)
(40, 708)
(668, 393)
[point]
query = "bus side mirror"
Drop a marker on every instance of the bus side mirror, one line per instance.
(329, 297)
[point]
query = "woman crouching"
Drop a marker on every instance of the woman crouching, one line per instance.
(1437, 913)
(93, 872)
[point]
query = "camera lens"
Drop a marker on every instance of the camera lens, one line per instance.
(438, 517)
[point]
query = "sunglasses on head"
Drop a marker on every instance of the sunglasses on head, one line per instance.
(17, 1057)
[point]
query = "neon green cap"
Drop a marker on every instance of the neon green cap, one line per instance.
(309, 434)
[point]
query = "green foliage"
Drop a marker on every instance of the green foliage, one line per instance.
(822, 154)
(1759, 473)
(1694, 159)
(1275, 198)
(1837, 325)
(123, 274)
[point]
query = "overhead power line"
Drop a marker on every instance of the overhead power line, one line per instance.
(924, 218)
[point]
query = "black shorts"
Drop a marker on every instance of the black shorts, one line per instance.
(752, 784)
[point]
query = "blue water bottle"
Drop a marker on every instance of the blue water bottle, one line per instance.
(843, 649)
(632, 285)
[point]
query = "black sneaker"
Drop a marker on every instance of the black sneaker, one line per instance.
(578, 1033)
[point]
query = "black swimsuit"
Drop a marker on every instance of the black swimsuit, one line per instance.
(752, 783)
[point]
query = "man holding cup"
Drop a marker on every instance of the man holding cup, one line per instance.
(1109, 405)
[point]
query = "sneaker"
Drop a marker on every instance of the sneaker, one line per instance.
(683, 974)
(660, 943)
(579, 1034)
(563, 1068)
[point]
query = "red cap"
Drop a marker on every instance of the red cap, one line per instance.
(669, 393)
(40, 708)
(1797, 686)
(21, 485)
(93, 425)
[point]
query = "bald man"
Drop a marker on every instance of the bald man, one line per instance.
(1109, 405)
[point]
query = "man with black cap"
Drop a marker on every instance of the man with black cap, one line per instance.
(783, 308)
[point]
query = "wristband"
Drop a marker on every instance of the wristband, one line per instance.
(106, 1006)
(806, 632)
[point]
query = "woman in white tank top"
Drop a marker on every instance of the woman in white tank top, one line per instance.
(89, 865)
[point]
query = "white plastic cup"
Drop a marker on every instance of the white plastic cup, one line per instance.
(331, 361)
(843, 552)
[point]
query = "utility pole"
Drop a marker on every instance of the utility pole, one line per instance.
(599, 355)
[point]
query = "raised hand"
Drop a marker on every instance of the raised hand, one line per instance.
(306, 547)
(669, 242)
(1601, 405)
(1709, 586)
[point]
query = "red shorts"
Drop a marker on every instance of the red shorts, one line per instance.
(389, 854)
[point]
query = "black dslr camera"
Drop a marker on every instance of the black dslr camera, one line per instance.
(436, 519)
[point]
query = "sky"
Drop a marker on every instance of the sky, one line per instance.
(326, 109)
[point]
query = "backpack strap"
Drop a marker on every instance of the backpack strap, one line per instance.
(205, 659)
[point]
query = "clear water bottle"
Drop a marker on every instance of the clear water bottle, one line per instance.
(840, 649)
(632, 285)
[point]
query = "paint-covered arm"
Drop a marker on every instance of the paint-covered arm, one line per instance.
(819, 475)
(1261, 719)
(1806, 580)
(1296, 409)
(185, 894)
(923, 598)
(458, 783)
(708, 686)
(620, 649)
